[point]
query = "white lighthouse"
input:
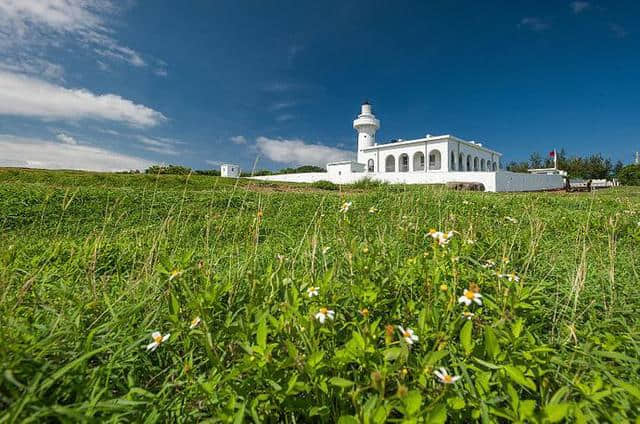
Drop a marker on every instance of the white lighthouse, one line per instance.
(366, 124)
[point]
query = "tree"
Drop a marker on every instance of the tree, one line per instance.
(630, 175)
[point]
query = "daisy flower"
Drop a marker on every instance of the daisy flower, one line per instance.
(373, 210)
(408, 335)
(445, 377)
(510, 277)
(345, 207)
(469, 296)
(312, 291)
(511, 219)
(468, 315)
(323, 314)
(489, 264)
(158, 339)
(194, 323)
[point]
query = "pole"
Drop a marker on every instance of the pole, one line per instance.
(555, 159)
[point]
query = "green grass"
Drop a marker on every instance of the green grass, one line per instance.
(92, 264)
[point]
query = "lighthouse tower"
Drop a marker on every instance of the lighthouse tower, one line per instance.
(366, 124)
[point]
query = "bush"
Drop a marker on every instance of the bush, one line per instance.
(630, 175)
(367, 183)
(168, 170)
(324, 185)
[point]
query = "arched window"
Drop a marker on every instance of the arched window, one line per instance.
(453, 161)
(403, 163)
(418, 161)
(489, 165)
(370, 167)
(482, 165)
(390, 164)
(476, 163)
(434, 159)
(495, 167)
(468, 163)
(460, 163)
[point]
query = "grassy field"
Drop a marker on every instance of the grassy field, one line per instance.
(92, 264)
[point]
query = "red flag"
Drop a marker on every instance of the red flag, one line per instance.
(552, 153)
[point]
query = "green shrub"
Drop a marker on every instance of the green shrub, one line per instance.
(630, 175)
(324, 185)
(367, 183)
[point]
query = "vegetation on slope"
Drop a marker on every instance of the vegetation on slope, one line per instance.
(92, 264)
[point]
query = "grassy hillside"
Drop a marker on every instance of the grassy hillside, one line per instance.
(92, 264)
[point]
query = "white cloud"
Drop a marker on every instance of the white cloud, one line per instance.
(579, 6)
(213, 162)
(618, 30)
(66, 139)
(298, 152)
(165, 146)
(239, 139)
(284, 117)
(38, 153)
(282, 105)
(534, 24)
(33, 66)
(27, 96)
(37, 23)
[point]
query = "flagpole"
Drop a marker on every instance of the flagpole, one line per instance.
(555, 159)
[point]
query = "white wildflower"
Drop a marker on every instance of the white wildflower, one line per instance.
(195, 322)
(408, 335)
(469, 296)
(158, 339)
(445, 377)
(312, 291)
(345, 207)
(323, 314)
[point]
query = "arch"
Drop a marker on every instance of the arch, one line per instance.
(435, 159)
(468, 163)
(403, 163)
(418, 161)
(476, 163)
(495, 167)
(483, 166)
(390, 164)
(453, 161)
(460, 162)
(489, 166)
(370, 166)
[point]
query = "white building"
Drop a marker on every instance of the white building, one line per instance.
(427, 160)
(230, 170)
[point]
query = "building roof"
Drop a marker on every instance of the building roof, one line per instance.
(430, 139)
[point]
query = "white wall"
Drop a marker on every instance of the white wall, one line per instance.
(492, 181)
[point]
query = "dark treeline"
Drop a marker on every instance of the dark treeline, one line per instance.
(184, 170)
(587, 167)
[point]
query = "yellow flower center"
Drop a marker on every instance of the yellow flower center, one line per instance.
(158, 339)
(324, 311)
(432, 230)
(469, 295)
(406, 334)
(447, 379)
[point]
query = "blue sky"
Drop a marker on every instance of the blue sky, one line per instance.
(105, 85)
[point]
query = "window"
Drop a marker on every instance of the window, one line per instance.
(453, 161)
(418, 161)
(370, 166)
(403, 163)
(476, 163)
(482, 165)
(468, 163)
(460, 163)
(434, 159)
(495, 167)
(390, 164)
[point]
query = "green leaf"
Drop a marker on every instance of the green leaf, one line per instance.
(392, 353)
(438, 415)
(518, 377)
(347, 419)
(261, 334)
(435, 357)
(174, 306)
(556, 412)
(412, 402)
(465, 337)
(456, 403)
(315, 358)
(341, 382)
(629, 388)
(516, 328)
(491, 344)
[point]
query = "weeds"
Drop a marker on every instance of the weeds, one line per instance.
(168, 298)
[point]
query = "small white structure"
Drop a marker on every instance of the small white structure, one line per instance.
(229, 170)
(426, 160)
